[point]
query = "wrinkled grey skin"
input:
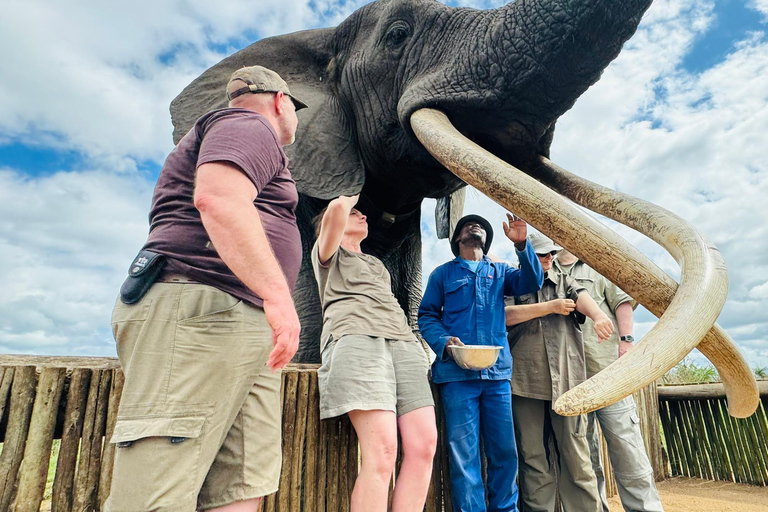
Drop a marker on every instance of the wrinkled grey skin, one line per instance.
(503, 76)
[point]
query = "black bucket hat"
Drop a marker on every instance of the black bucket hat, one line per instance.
(472, 218)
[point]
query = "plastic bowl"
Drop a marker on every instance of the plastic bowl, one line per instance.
(475, 357)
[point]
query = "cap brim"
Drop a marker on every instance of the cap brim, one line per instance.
(298, 103)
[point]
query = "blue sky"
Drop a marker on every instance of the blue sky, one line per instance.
(678, 119)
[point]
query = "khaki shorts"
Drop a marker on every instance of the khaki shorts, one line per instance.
(199, 423)
(366, 373)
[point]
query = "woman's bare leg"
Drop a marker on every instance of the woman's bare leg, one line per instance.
(418, 435)
(377, 434)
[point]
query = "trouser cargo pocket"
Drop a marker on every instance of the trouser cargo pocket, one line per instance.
(157, 463)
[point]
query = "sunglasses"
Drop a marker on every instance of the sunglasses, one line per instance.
(550, 253)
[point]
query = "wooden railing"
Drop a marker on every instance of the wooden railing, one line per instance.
(71, 404)
(75, 400)
(704, 441)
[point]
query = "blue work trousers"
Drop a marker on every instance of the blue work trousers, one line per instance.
(474, 408)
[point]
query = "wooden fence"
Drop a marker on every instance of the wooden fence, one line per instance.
(75, 400)
(703, 441)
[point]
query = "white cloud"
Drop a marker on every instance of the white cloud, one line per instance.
(760, 291)
(760, 6)
(67, 241)
(100, 80)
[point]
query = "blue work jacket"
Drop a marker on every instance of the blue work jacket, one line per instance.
(470, 305)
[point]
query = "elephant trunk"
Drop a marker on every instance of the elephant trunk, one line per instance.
(552, 51)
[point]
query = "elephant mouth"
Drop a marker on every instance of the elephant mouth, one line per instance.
(687, 312)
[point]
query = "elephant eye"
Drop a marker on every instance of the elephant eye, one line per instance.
(397, 35)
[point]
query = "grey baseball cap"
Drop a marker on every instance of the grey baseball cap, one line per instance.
(259, 79)
(542, 244)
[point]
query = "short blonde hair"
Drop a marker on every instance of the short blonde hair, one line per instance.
(318, 221)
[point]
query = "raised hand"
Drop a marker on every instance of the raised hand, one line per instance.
(562, 306)
(515, 228)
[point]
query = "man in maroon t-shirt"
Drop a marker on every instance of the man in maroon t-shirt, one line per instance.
(199, 419)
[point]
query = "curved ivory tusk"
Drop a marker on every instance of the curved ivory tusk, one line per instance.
(689, 314)
(656, 294)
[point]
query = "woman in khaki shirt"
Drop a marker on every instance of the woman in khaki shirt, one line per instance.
(373, 366)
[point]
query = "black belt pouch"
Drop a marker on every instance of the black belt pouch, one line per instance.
(143, 272)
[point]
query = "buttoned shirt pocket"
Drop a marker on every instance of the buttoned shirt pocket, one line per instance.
(458, 294)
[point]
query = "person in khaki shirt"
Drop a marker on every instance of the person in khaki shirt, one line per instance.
(619, 422)
(373, 367)
(548, 360)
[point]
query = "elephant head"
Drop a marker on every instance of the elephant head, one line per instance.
(502, 77)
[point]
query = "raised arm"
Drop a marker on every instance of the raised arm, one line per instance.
(589, 308)
(333, 225)
(224, 197)
(530, 276)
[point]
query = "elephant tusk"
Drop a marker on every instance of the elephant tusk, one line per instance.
(690, 313)
(659, 289)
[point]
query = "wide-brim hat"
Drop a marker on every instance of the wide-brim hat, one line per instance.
(472, 218)
(542, 244)
(259, 79)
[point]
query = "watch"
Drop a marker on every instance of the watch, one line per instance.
(629, 338)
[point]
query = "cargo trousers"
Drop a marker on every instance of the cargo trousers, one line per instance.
(631, 468)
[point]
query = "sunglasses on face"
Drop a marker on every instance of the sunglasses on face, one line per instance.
(550, 253)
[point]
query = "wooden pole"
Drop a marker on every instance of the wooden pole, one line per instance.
(108, 456)
(37, 451)
(701, 391)
(312, 447)
(94, 426)
(322, 465)
(332, 480)
(289, 423)
(6, 379)
(299, 434)
(724, 423)
(668, 436)
(19, 416)
(715, 456)
(64, 481)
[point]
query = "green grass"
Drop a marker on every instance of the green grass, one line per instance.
(52, 469)
(688, 372)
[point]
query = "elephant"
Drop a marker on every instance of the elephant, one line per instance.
(387, 87)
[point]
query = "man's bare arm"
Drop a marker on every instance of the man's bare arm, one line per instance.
(624, 321)
(587, 306)
(224, 196)
(520, 313)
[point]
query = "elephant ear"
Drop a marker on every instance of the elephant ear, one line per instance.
(325, 138)
(448, 211)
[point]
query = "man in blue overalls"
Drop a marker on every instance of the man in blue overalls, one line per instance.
(464, 305)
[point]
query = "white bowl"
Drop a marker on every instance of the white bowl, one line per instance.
(475, 357)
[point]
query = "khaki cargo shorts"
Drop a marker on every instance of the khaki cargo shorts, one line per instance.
(367, 373)
(199, 423)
